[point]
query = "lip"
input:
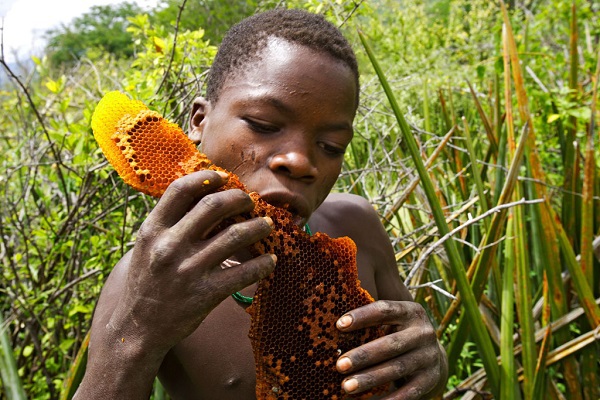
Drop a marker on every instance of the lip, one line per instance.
(289, 201)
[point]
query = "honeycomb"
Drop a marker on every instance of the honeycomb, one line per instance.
(293, 315)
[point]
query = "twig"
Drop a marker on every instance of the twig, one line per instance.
(413, 184)
(466, 243)
(2, 39)
(73, 283)
(470, 222)
(434, 287)
(553, 187)
(457, 392)
(356, 5)
(432, 229)
(55, 153)
(164, 78)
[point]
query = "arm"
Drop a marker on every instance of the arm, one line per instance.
(161, 291)
(410, 355)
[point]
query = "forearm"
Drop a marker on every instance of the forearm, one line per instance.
(121, 364)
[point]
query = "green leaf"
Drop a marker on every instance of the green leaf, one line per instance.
(159, 44)
(11, 383)
(53, 86)
(480, 71)
(552, 118)
(66, 344)
(583, 113)
(80, 308)
(27, 351)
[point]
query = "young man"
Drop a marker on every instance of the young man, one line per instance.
(281, 98)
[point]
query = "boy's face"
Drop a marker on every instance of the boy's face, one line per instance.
(282, 125)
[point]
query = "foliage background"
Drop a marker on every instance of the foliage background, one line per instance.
(66, 218)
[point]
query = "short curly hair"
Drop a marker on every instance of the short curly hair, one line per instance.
(247, 38)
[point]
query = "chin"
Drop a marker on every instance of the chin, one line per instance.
(299, 220)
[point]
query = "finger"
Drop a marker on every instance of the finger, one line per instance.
(182, 194)
(388, 347)
(210, 211)
(420, 386)
(231, 240)
(383, 312)
(243, 275)
(387, 372)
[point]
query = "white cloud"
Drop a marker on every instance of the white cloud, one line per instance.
(26, 21)
(5, 6)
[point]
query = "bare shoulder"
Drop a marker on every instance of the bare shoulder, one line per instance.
(343, 214)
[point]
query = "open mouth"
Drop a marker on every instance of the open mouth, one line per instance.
(290, 203)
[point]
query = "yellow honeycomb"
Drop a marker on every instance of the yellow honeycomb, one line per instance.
(293, 334)
(137, 141)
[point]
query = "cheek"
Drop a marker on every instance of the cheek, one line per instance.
(228, 146)
(239, 159)
(327, 181)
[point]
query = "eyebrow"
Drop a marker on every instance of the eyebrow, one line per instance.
(342, 126)
(282, 107)
(270, 100)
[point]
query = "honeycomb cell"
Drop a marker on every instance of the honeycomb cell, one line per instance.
(293, 334)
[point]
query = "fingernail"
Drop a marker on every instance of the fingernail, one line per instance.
(350, 385)
(344, 364)
(223, 174)
(265, 272)
(344, 322)
(269, 221)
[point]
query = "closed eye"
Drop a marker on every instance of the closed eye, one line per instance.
(259, 127)
(331, 149)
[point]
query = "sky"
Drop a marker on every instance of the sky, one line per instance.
(25, 21)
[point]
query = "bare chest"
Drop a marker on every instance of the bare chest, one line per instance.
(216, 361)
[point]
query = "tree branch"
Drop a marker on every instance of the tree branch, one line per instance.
(164, 78)
(470, 222)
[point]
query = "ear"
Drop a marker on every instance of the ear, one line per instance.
(199, 111)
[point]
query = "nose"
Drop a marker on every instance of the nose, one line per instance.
(295, 161)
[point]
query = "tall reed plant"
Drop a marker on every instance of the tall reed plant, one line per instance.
(517, 276)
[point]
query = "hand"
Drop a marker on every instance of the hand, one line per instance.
(174, 277)
(410, 352)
